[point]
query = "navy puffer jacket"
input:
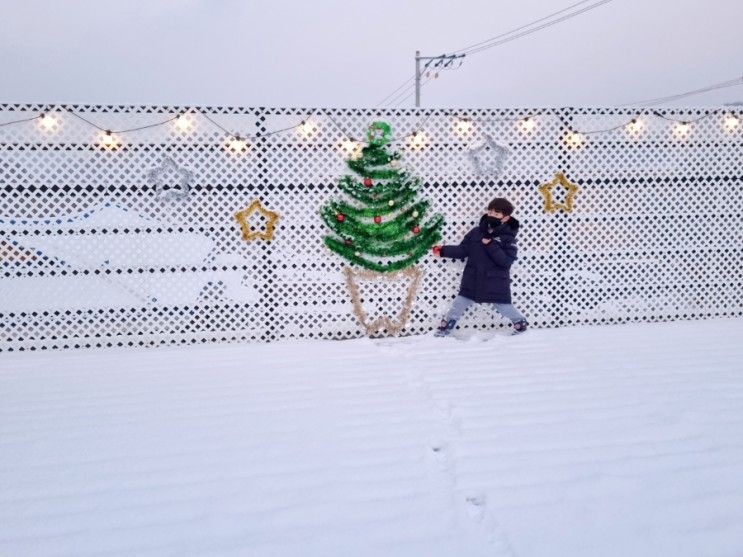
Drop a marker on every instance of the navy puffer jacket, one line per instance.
(486, 276)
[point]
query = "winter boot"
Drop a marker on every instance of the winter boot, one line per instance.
(445, 327)
(520, 327)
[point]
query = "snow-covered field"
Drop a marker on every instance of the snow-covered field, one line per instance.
(587, 441)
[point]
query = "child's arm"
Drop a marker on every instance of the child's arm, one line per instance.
(457, 252)
(501, 255)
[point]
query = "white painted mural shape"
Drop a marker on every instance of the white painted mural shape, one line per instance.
(155, 253)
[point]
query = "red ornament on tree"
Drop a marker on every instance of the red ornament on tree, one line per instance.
(416, 229)
(368, 182)
(348, 241)
(377, 219)
(340, 217)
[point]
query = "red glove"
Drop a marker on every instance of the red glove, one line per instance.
(436, 250)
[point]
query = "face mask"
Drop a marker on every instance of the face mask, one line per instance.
(493, 221)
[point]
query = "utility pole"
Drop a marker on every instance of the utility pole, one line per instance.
(444, 61)
(417, 78)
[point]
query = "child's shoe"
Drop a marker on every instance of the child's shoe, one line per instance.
(520, 327)
(445, 327)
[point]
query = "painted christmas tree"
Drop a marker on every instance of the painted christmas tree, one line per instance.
(382, 228)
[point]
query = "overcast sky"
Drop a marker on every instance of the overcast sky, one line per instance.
(351, 53)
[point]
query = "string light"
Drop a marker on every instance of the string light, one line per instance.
(574, 139)
(463, 126)
(417, 141)
(236, 144)
(109, 141)
(635, 127)
(731, 122)
(48, 123)
(527, 125)
(682, 129)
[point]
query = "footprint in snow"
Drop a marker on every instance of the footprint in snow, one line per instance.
(440, 454)
(476, 506)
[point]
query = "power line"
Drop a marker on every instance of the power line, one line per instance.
(714, 86)
(406, 97)
(468, 48)
(539, 28)
(404, 93)
(396, 90)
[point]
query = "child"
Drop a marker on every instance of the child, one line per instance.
(490, 249)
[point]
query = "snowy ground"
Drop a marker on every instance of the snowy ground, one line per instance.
(592, 441)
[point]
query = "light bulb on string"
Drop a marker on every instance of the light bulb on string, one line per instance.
(635, 127)
(417, 141)
(236, 144)
(307, 129)
(183, 123)
(574, 139)
(350, 148)
(463, 126)
(731, 122)
(48, 122)
(682, 130)
(109, 141)
(527, 125)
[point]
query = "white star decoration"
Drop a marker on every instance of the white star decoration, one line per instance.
(489, 157)
(171, 181)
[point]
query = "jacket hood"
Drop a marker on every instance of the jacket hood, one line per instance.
(513, 224)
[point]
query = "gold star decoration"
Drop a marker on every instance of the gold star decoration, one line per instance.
(550, 205)
(243, 216)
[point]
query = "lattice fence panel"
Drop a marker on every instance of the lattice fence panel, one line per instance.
(92, 256)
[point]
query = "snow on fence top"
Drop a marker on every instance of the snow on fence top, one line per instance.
(117, 223)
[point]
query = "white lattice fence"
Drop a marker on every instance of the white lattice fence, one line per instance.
(91, 256)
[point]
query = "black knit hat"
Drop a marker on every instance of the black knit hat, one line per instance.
(501, 205)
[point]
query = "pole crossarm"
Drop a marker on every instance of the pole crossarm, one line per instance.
(442, 61)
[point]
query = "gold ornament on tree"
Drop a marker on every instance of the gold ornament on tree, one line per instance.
(570, 189)
(270, 218)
